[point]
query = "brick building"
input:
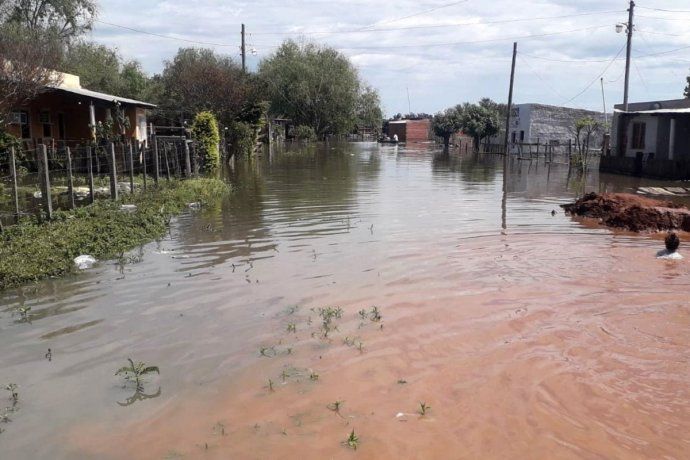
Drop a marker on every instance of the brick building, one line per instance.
(411, 130)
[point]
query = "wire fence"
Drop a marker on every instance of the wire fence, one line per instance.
(40, 180)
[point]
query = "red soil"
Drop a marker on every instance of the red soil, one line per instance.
(631, 212)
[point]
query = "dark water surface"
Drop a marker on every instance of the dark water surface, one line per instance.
(553, 338)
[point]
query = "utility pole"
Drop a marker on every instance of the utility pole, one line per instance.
(603, 98)
(631, 14)
(244, 52)
(510, 99)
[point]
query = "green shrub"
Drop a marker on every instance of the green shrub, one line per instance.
(205, 132)
(305, 133)
(242, 138)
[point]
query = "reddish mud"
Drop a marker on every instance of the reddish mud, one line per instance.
(631, 212)
(591, 364)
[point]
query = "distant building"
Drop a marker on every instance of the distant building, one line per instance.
(411, 130)
(651, 139)
(548, 124)
(62, 114)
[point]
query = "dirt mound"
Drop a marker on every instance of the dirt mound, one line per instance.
(632, 212)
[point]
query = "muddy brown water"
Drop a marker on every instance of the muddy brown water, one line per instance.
(553, 338)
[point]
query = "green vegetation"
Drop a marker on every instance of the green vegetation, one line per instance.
(31, 251)
(136, 372)
(305, 133)
(205, 132)
(14, 394)
(481, 120)
(423, 408)
(352, 441)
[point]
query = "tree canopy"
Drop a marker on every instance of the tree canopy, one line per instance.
(447, 123)
(369, 112)
(313, 85)
(68, 19)
(197, 80)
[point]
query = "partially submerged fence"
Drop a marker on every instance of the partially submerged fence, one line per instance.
(39, 180)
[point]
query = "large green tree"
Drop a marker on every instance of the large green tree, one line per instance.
(102, 69)
(68, 19)
(369, 113)
(447, 123)
(313, 85)
(197, 80)
(686, 93)
(480, 122)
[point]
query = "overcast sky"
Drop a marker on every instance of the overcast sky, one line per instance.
(444, 52)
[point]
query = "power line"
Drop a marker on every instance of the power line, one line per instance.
(597, 77)
(491, 40)
(661, 19)
(663, 10)
(421, 12)
(438, 26)
(160, 35)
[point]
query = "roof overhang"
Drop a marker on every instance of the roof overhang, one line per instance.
(655, 112)
(101, 96)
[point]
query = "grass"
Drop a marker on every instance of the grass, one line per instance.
(352, 440)
(32, 250)
(423, 408)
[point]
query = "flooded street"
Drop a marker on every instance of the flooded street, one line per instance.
(553, 338)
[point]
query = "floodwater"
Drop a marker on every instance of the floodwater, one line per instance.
(549, 338)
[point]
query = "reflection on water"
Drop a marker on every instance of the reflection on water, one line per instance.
(526, 332)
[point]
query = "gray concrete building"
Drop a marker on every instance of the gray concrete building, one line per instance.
(548, 124)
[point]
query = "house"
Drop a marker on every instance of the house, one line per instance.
(548, 124)
(411, 130)
(651, 139)
(63, 115)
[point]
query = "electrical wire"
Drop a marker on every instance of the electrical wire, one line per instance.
(589, 85)
(662, 9)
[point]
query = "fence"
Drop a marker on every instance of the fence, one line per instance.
(39, 180)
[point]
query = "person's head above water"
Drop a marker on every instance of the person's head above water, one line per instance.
(672, 242)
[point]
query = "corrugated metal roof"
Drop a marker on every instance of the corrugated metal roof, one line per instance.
(103, 96)
(656, 111)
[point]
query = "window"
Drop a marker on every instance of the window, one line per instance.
(638, 135)
(21, 118)
(522, 136)
(512, 137)
(44, 118)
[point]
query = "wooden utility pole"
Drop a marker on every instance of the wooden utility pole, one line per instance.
(630, 25)
(510, 99)
(244, 52)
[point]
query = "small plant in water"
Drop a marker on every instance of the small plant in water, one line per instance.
(375, 314)
(423, 408)
(313, 376)
(24, 314)
(363, 314)
(352, 441)
(292, 327)
(14, 394)
(268, 352)
(284, 375)
(335, 406)
(136, 372)
(270, 385)
(402, 381)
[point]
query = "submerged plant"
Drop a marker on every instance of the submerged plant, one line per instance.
(313, 376)
(375, 315)
(292, 327)
(14, 394)
(270, 385)
(136, 372)
(268, 352)
(402, 381)
(352, 440)
(24, 314)
(363, 313)
(423, 408)
(335, 406)
(328, 315)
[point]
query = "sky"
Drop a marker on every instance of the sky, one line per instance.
(439, 52)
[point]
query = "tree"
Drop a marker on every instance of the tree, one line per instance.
(585, 128)
(197, 80)
(447, 123)
(67, 19)
(479, 122)
(686, 93)
(313, 85)
(369, 112)
(25, 60)
(498, 107)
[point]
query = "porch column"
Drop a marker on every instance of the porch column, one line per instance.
(672, 139)
(92, 120)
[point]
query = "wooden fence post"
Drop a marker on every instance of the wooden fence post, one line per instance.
(70, 180)
(113, 171)
(44, 178)
(89, 169)
(167, 166)
(142, 149)
(187, 161)
(15, 190)
(156, 169)
(131, 169)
